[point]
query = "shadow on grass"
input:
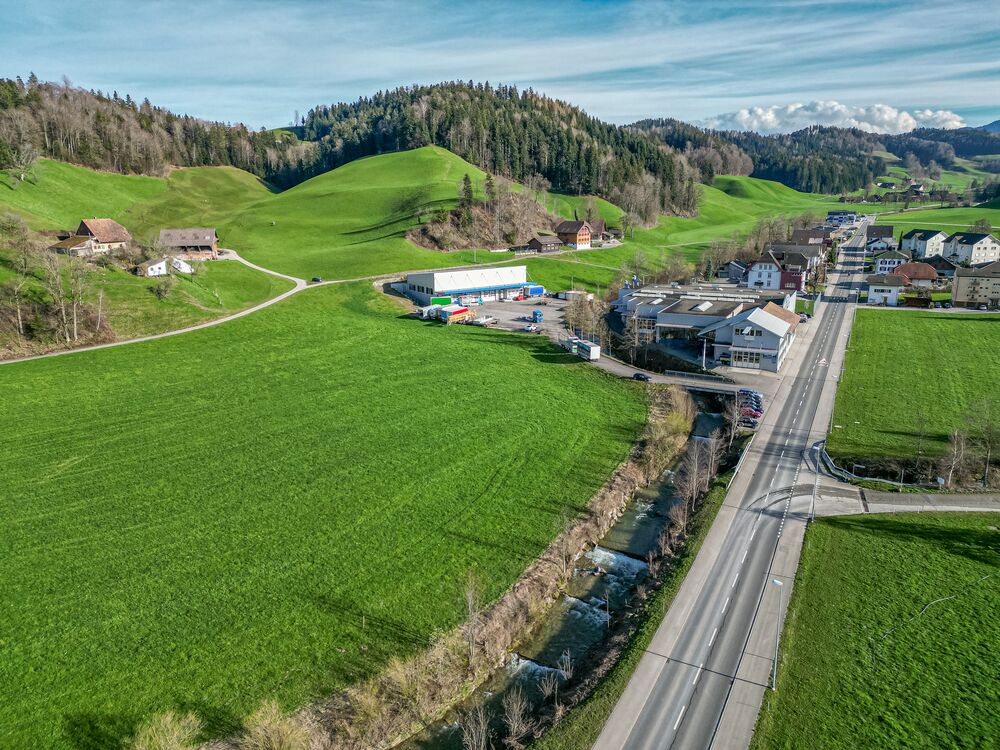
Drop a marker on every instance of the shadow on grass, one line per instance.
(979, 544)
(98, 731)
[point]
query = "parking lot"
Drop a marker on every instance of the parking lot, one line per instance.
(515, 315)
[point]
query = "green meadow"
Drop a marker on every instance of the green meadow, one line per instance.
(947, 361)
(275, 506)
(890, 639)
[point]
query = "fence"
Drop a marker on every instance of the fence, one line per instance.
(846, 476)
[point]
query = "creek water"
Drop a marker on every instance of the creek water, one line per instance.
(604, 579)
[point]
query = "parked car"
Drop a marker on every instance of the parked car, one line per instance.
(749, 392)
(758, 405)
(641, 376)
(748, 411)
(937, 305)
(531, 328)
(316, 279)
(982, 307)
(748, 422)
(947, 305)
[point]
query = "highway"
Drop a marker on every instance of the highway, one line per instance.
(681, 690)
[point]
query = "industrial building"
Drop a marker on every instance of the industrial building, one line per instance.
(470, 287)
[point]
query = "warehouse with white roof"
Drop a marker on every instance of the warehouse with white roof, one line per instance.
(468, 286)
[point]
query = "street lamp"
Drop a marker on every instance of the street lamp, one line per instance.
(777, 632)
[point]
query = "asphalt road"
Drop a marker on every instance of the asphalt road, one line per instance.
(685, 691)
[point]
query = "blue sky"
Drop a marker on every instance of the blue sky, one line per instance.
(258, 62)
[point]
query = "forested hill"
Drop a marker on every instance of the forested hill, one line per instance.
(104, 131)
(813, 160)
(519, 134)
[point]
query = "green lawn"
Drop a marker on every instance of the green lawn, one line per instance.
(860, 667)
(275, 506)
(903, 366)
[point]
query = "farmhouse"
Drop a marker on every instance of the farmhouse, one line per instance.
(74, 246)
(917, 274)
(809, 236)
(468, 287)
(924, 243)
(544, 243)
(152, 268)
(884, 289)
(885, 262)
(191, 244)
(977, 286)
(972, 247)
(577, 234)
(756, 339)
(106, 235)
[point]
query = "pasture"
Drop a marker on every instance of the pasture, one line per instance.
(905, 368)
(275, 506)
(891, 634)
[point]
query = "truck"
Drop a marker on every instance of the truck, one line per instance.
(588, 350)
(534, 291)
(454, 314)
(536, 316)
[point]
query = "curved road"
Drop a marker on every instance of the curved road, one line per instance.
(702, 656)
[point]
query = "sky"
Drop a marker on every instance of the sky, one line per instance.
(769, 65)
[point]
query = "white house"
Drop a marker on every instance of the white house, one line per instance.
(885, 289)
(181, 266)
(764, 273)
(757, 339)
(880, 244)
(972, 247)
(924, 243)
(151, 268)
(887, 261)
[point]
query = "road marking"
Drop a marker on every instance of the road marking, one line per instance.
(744, 556)
(724, 605)
(712, 639)
(735, 580)
(753, 533)
(696, 676)
(679, 717)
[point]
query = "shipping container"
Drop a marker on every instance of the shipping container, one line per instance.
(534, 291)
(440, 300)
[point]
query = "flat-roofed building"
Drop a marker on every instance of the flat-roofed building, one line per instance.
(468, 286)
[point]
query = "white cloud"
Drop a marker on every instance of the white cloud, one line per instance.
(877, 118)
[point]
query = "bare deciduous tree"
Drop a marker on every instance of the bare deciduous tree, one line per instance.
(472, 617)
(476, 731)
(52, 280)
(78, 285)
(957, 446)
(679, 516)
(517, 718)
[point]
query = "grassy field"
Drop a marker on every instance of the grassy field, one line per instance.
(275, 506)
(906, 366)
(948, 220)
(860, 666)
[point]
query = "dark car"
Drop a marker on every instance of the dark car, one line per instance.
(748, 392)
(947, 305)
(748, 422)
(641, 376)
(316, 279)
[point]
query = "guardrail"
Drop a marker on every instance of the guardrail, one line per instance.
(743, 456)
(846, 476)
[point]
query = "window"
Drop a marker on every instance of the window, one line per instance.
(746, 358)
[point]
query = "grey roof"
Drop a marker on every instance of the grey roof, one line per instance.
(151, 262)
(992, 270)
(892, 254)
(571, 227)
(886, 279)
(968, 238)
(547, 239)
(195, 237)
(922, 234)
(878, 230)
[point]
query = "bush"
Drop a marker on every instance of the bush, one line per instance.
(167, 731)
(268, 728)
(163, 287)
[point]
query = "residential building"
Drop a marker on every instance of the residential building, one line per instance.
(576, 234)
(880, 244)
(543, 243)
(917, 274)
(733, 271)
(468, 287)
(758, 338)
(191, 244)
(873, 231)
(977, 286)
(885, 289)
(106, 235)
(75, 246)
(924, 243)
(152, 268)
(944, 267)
(886, 261)
(809, 236)
(181, 266)
(972, 248)
(841, 217)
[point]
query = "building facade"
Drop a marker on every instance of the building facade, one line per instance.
(468, 287)
(191, 244)
(924, 243)
(972, 247)
(977, 286)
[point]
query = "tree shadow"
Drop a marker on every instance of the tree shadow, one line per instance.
(98, 731)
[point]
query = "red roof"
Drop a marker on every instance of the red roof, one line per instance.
(916, 271)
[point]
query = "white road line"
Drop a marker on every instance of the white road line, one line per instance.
(744, 556)
(696, 676)
(735, 580)
(679, 717)
(712, 639)
(725, 605)
(753, 533)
